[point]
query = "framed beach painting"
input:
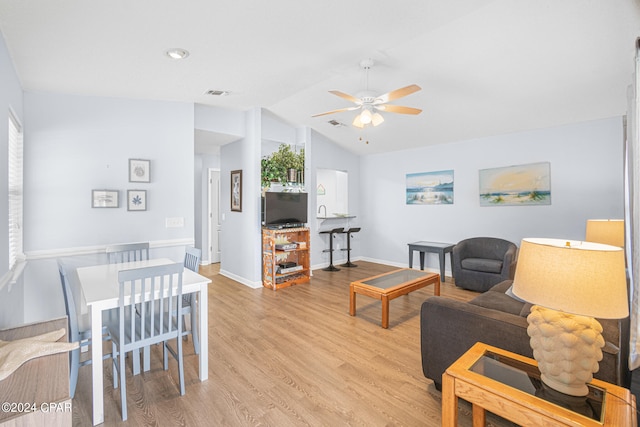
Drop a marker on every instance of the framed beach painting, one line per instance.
(430, 188)
(521, 185)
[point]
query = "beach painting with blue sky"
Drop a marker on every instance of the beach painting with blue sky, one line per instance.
(430, 188)
(520, 185)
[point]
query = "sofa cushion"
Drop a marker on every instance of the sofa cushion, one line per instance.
(482, 264)
(498, 301)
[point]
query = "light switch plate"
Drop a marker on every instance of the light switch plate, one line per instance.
(177, 222)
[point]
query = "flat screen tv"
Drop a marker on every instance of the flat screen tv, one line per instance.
(283, 210)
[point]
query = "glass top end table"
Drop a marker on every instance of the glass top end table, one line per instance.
(526, 378)
(509, 385)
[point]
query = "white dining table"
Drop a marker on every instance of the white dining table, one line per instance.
(100, 287)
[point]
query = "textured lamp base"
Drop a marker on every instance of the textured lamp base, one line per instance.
(567, 348)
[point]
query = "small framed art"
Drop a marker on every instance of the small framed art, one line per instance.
(139, 170)
(236, 191)
(104, 199)
(136, 200)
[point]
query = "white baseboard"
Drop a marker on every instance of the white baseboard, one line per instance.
(242, 280)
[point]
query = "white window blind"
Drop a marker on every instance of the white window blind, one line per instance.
(15, 191)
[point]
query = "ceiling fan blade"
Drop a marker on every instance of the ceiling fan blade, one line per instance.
(396, 94)
(340, 110)
(346, 96)
(398, 109)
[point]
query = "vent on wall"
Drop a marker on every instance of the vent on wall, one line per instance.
(213, 92)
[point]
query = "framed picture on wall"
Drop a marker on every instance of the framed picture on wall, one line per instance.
(520, 185)
(136, 200)
(139, 170)
(430, 188)
(236, 191)
(105, 198)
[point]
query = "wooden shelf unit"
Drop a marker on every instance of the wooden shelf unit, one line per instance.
(271, 257)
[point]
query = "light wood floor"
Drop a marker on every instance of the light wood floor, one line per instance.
(292, 357)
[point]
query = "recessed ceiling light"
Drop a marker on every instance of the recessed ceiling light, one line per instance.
(177, 53)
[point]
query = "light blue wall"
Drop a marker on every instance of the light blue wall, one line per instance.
(586, 182)
(240, 236)
(74, 144)
(325, 154)
(220, 120)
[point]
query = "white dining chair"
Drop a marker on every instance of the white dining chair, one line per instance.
(79, 329)
(127, 252)
(189, 306)
(160, 293)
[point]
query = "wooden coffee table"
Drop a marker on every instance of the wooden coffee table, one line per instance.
(388, 286)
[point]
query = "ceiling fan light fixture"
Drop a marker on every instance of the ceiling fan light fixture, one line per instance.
(369, 104)
(365, 116)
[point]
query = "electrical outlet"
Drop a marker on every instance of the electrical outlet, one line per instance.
(177, 222)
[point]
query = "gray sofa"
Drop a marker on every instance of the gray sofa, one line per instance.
(481, 262)
(448, 328)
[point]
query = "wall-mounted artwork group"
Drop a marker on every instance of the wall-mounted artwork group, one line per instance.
(521, 185)
(139, 171)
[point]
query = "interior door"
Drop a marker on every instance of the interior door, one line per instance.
(214, 215)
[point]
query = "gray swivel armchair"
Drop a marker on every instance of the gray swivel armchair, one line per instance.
(481, 262)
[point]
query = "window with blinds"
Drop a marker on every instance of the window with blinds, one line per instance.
(15, 191)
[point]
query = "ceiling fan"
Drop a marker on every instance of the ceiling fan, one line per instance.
(371, 105)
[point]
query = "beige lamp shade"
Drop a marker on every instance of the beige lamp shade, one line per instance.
(575, 277)
(606, 231)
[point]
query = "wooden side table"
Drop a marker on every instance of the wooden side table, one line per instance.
(509, 385)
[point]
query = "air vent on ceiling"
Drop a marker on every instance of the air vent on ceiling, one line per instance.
(217, 92)
(336, 123)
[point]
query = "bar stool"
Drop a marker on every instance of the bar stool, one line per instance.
(331, 232)
(348, 249)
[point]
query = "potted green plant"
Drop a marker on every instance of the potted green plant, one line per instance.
(282, 165)
(271, 171)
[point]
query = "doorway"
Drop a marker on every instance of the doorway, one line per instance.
(214, 215)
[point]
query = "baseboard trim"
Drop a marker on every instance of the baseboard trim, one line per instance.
(241, 280)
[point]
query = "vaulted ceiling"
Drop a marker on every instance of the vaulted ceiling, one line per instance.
(485, 67)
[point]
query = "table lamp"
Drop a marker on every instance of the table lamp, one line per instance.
(569, 283)
(606, 231)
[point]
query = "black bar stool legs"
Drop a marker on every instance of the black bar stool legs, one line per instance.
(349, 231)
(331, 267)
